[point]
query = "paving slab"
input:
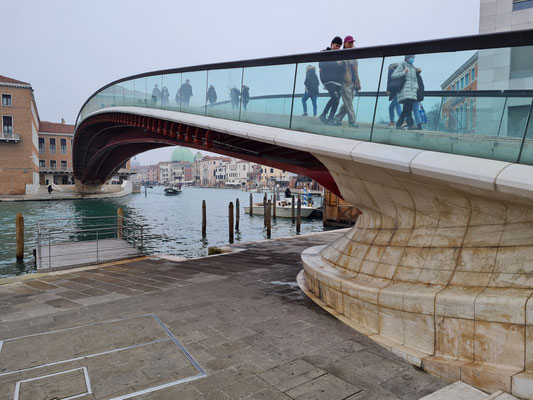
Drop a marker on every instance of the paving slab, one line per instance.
(222, 327)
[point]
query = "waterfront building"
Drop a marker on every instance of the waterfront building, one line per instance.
(19, 119)
(55, 153)
(270, 177)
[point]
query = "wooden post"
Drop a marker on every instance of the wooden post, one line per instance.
(145, 190)
(265, 209)
(293, 204)
(269, 219)
(324, 209)
(298, 214)
(120, 222)
(237, 213)
(230, 221)
(274, 205)
(251, 204)
(204, 218)
(20, 236)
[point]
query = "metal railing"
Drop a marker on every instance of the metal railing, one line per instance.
(100, 239)
(9, 137)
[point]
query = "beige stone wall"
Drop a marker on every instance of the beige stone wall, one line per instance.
(498, 16)
(17, 165)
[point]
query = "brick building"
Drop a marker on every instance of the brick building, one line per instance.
(19, 161)
(55, 153)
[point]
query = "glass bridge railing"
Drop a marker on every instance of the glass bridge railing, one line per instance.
(477, 101)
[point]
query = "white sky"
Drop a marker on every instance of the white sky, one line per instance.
(67, 49)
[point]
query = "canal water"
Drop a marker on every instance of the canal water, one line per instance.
(172, 224)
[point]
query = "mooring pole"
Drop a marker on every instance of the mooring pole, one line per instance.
(292, 209)
(265, 209)
(274, 205)
(20, 236)
(145, 190)
(298, 214)
(251, 204)
(204, 218)
(237, 214)
(269, 219)
(230, 220)
(120, 221)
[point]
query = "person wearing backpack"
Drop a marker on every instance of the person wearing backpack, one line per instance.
(417, 106)
(393, 86)
(409, 92)
(331, 76)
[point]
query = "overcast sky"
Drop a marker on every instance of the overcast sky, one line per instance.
(67, 49)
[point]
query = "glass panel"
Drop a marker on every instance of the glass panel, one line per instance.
(153, 86)
(459, 115)
(268, 95)
(141, 95)
(129, 93)
(169, 92)
(222, 98)
(527, 151)
(118, 95)
(355, 82)
(193, 92)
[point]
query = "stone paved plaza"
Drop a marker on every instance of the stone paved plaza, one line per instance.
(134, 327)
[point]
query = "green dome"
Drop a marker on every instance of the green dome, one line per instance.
(198, 156)
(182, 154)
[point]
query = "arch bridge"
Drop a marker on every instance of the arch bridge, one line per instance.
(439, 267)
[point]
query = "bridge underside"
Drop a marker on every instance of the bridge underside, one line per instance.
(104, 142)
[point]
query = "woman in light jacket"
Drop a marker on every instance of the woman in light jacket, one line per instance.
(408, 94)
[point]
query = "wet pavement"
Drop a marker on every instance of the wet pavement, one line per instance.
(222, 327)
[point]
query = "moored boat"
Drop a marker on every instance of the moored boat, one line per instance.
(283, 209)
(172, 190)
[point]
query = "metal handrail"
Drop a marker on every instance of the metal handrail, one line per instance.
(119, 228)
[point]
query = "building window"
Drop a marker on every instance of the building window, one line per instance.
(41, 145)
(42, 163)
(467, 77)
(63, 165)
(473, 74)
(522, 4)
(52, 145)
(6, 100)
(521, 62)
(453, 86)
(462, 82)
(271, 170)
(53, 164)
(63, 143)
(7, 126)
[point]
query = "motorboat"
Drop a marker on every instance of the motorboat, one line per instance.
(172, 190)
(283, 209)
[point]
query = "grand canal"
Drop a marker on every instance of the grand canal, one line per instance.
(172, 224)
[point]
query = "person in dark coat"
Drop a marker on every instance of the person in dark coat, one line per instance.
(245, 96)
(311, 84)
(156, 94)
(186, 93)
(331, 76)
(164, 96)
(211, 95)
(234, 96)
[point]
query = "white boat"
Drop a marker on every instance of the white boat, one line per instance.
(283, 209)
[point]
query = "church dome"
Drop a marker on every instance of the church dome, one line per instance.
(198, 156)
(182, 154)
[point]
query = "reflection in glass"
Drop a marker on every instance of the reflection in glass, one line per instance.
(527, 150)
(154, 86)
(171, 84)
(222, 98)
(267, 98)
(141, 96)
(192, 92)
(129, 96)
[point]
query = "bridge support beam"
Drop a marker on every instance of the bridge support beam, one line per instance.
(439, 267)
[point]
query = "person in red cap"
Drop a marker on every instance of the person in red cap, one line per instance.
(350, 85)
